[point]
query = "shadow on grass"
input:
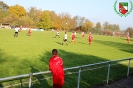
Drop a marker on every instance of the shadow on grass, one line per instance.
(59, 43)
(41, 79)
(89, 78)
(121, 46)
(72, 59)
(1, 86)
(2, 57)
(125, 39)
(81, 43)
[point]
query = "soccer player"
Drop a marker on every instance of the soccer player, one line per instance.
(16, 32)
(29, 32)
(73, 37)
(20, 28)
(83, 35)
(57, 33)
(90, 37)
(128, 39)
(65, 39)
(56, 66)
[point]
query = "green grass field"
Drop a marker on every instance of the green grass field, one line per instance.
(25, 54)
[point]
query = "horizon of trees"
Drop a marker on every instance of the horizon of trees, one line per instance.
(17, 15)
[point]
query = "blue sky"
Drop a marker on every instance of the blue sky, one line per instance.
(94, 10)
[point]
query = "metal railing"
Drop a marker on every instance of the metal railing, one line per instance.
(71, 68)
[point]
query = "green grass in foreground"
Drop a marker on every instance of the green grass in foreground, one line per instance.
(26, 54)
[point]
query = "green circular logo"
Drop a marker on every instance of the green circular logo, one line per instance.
(122, 8)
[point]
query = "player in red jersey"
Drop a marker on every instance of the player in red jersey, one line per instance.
(128, 39)
(29, 32)
(56, 66)
(20, 28)
(90, 37)
(83, 35)
(73, 37)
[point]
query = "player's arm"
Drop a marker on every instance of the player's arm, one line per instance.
(50, 65)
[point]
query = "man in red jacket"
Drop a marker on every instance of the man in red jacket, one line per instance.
(56, 67)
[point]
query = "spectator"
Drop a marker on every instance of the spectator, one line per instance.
(56, 67)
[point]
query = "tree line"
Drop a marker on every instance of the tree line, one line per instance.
(17, 15)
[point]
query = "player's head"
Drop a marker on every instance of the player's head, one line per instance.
(54, 51)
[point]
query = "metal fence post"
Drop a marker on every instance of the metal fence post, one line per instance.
(128, 67)
(30, 80)
(108, 72)
(21, 83)
(79, 77)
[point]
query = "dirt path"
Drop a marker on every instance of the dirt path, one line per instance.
(123, 83)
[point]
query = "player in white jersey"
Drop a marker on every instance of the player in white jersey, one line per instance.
(65, 39)
(16, 32)
(57, 34)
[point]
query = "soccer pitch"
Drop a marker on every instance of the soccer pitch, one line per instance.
(19, 54)
(25, 54)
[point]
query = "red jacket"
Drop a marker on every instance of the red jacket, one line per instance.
(56, 67)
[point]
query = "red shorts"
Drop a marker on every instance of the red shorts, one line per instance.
(90, 40)
(72, 38)
(128, 39)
